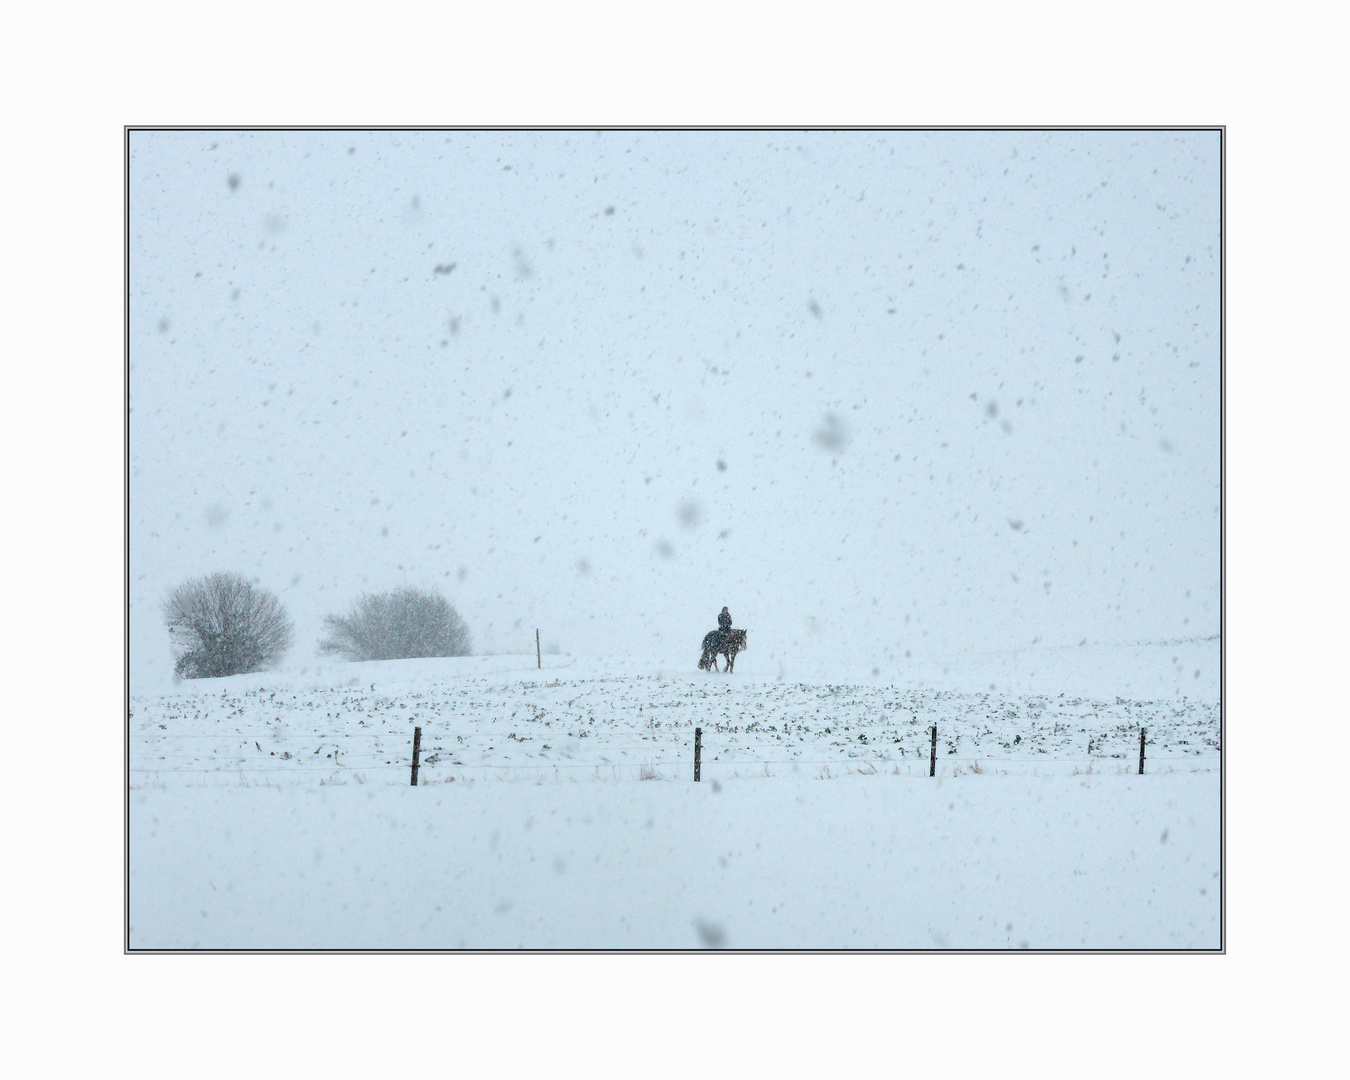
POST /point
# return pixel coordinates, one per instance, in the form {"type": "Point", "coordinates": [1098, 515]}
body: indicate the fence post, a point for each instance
{"type": "Point", "coordinates": [538, 656]}
{"type": "Point", "coordinates": [417, 749]}
{"type": "Point", "coordinates": [932, 754]}
{"type": "Point", "coordinates": [698, 752]}
{"type": "Point", "coordinates": [1141, 750]}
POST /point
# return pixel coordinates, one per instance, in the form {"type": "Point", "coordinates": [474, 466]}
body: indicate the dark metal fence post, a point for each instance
{"type": "Point", "coordinates": [932, 754]}
{"type": "Point", "coordinates": [698, 752]}
{"type": "Point", "coordinates": [417, 749]}
{"type": "Point", "coordinates": [538, 656]}
{"type": "Point", "coordinates": [1141, 750]}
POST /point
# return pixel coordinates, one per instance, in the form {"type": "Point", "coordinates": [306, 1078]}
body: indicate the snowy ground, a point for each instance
{"type": "Point", "coordinates": [557, 810]}
{"type": "Point", "coordinates": [858, 862]}
{"type": "Point", "coordinates": [500, 718]}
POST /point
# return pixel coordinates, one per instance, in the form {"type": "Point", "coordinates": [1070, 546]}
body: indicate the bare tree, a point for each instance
{"type": "Point", "coordinates": [222, 624]}
{"type": "Point", "coordinates": [397, 625]}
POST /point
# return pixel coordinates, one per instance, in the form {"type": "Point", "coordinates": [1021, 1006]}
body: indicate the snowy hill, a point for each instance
{"type": "Point", "coordinates": [556, 809]}
{"type": "Point", "coordinates": [499, 716]}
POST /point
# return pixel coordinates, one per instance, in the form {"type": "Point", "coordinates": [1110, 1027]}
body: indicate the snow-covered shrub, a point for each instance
{"type": "Point", "coordinates": [222, 624]}
{"type": "Point", "coordinates": [397, 625]}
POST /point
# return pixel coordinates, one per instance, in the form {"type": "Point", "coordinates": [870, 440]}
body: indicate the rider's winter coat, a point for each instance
{"type": "Point", "coordinates": [724, 620]}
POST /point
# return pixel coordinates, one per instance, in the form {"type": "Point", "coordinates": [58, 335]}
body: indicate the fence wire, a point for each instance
{"type": "Point", "coordinates": [684, 763]}
{"type": "Point", "coordinates": [888, 752]}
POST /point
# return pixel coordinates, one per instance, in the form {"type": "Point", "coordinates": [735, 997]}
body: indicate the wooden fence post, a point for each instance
{"type": "Point", "coordinates": [1141, 750]}
{"type": "Point", "coordinates": [417, 749]}
{"type": "Point", "coordinates": [538, 656]}
{"type": "Point", "coordinates": [698, 753]}
{"type": "Point", "coordinates": [932, 754]}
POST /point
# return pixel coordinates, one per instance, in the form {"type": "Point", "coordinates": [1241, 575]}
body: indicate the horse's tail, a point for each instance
{"type": "Point", "coordinates": [711, 642]}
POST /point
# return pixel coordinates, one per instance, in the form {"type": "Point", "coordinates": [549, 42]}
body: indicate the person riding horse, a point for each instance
{"type": "Point", "coordinates": [723, 640]}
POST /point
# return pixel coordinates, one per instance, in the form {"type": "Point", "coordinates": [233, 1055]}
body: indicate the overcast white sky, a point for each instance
{"type": "Point", "coordinates": [877, 392]}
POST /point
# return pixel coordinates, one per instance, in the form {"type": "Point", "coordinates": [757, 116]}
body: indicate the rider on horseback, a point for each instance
{"type": "Point", "coordinates": [723, 640]}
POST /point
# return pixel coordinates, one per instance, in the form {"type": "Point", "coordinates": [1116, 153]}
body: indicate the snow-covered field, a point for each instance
{"type": "Point", "coordinates": [557, 809]}
{"type": "Point", "coordinates": [857, 862]}
{"type": "Point", "coordinates": [500, 718]}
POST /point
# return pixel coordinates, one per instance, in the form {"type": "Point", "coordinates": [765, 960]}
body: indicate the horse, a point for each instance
{"type": "Point", "coordinates": [728, 643]}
